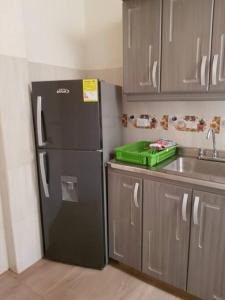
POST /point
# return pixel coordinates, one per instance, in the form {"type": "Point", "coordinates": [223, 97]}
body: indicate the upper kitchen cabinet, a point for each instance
{"type": "Point", "coordinates": [218, 48]}
{"type": "Point", "coordinates": [187, 32]}
{"type": "Point", "coordinates": [142, 46]}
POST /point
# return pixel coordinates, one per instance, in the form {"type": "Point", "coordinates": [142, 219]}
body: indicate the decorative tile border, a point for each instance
{"type": "Point", "coordinates": [216, 124]}
{"type": "Point", "coordinates": [188, 123]}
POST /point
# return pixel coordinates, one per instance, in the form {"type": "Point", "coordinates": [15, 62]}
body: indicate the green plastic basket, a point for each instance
{"type": "Point", "coordinates": [133, 153]}
{"type": "Point", "coordinates": [138, 153]}
{"type": "Point", "coordinates": [156, 157]}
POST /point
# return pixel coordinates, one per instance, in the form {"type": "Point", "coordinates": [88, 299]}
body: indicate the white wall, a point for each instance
{"type": "Point", "coordinates": [20, 225]}
{"type": "Point", "coordinates": [12, 41]}
{"type": "Point", "coordinates": [80, 34]}
{"type": "Point", "coordinates": [103, 34]}
{"type": "Point", "coordinates": [54, 32]}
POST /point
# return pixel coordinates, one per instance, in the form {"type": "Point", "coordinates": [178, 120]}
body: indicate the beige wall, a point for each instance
{"type": "Point", "coordinates": [54, 32]}
{"type": "Point", "coordinates": [12, 41]}
{"type": "Point", "coordinates": [18, 174]}
{"type": "Point", "coordinates": [103, 34]}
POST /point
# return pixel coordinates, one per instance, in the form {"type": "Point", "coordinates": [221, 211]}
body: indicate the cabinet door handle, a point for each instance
{"type": "Point", "coordinates": [129, 28]}
{"type": "Point", "coordinates": [203, 70]}
{"type": "Point", "coordinates": [136, 187]}
{"type": "Point", "coordinates": [195, 213]}
{"type": "Point", "coordinates": [41, 143]}
{"type": "Point", "coordinates": [221, 78]}
{"type": "Point", "coordinates": [43, 174]}
{"type": "Point", "coordinates": [214, 69]}
{"type": "Point", "coordinates": [184, 207]}
{"type": "Point", "coordinates": [148, 83]}
{"type": "Point", "coordinates": [154, 71]}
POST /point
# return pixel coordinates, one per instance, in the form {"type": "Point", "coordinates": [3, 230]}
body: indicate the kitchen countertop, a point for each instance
{"type": "Point", "coordinates": [196, 178]}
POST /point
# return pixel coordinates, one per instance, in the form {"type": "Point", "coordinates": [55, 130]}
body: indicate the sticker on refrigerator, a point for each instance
{"type": "Point", "coordinates": [90, 90]}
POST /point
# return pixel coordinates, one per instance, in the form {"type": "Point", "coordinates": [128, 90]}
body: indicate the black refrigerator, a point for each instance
{"type": "Point", "coordinates": [77, 124]}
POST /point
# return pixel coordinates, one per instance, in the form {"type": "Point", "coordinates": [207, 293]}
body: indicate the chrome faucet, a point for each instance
{"type": "Point", "coordinates": [211, 132]}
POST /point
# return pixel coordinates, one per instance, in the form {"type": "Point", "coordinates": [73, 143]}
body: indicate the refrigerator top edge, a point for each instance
{"type": "Point", "coordinates": [73, 80]}
{"type": "Point", "coordinates": [44, 149]}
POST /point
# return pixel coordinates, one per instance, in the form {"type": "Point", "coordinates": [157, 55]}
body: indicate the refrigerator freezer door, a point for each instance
{"type": "Point", "coordinates": [62, 119]}
{"type": "Point", "coordinates": [72, 213]}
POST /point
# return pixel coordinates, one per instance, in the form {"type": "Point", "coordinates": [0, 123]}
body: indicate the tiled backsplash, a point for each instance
{"type": "Point", "coordinates": [185, 122]}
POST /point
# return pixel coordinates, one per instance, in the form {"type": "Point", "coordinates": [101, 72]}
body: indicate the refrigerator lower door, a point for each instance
{"type": "Point", "coordinates": [71, 186]}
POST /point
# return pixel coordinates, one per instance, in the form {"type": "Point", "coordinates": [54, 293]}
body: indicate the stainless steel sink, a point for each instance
{"type": "Point", "coordinates": [195, 168]}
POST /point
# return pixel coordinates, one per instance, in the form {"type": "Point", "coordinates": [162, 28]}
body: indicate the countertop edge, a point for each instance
{"type": "Point", "coordinates": [159, 174]}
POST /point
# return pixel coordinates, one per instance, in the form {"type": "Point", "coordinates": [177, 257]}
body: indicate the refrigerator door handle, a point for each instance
{"type": "Point", "coordinates": [43, 173]}
{"type": "Point", "coordinates": [136, 187]}
{"type": "Point", "coordinates": [41, 143]}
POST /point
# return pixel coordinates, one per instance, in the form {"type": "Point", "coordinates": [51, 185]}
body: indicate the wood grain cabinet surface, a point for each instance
{"type": "Point", "coordinates": [166, 227]}
{"type": "Point", "coordinates": [174, 47]}
{"type": "Point", "coordinates": [206, 275]}
{"type": "Point", "coordinates": [142, 45]}
{"type": "Point", "coordinates": [187, 26]}
{"type": "Point", "coordinates": [125, 219]}
{"type": "Point", "coordinates": [217, 78]}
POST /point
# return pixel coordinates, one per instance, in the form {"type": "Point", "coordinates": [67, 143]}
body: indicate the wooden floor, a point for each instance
{"type": "Point", "coordinates": [54, 281]}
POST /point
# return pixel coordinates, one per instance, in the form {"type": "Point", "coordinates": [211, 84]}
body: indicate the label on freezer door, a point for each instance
{"type": "Point", "coordinates": [90, 90]}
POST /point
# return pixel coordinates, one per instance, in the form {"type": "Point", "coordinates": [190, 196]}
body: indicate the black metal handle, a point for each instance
{"type": "Point", "coordinates": [44, 131]}
{"type": "Point", "coordinates": [47, 168]}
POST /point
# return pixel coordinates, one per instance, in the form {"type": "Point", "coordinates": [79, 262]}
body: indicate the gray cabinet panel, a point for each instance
{"type": "Point", "coordinates": [166, 232]}
{"type": "Point", "coordinates": [206, 275]}
{"type": "Point", "coordinates": [186, 40]}
{"type": "Point", "coordinates": [218, 48]}
{"type": "Point", "coordinates": [125, 219]}
{"type": "Point", "coordinates": [142, 45]}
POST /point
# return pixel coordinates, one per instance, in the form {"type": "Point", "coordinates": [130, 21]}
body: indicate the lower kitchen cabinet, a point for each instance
{"type": "Point", "coordinates": [166, 227]}
{"type": "Point", "coordinates": [125, 219]}
{"type": "Point", "coordinates": [206, 275]}
{"type": "Point", "coordinates": [173, 233]}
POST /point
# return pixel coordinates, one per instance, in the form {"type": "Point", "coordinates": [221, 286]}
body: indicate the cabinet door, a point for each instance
{"type": "Point", "coordinates": [218, 48]}
{"type": "Point", "coordinates": [186, 41]}
{"type": "Point", "coordinates": [142, 45]}
{"type": "Point", "coordinates": [166, 219]}
{"type": "Point", "coordinates": [206, 274]}
{"type": "Point", "coordinates": [125, 219]}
